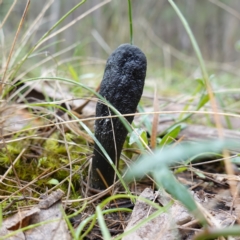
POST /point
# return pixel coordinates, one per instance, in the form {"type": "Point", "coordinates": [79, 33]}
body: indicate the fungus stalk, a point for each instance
{"type": "Point", "coordinates": [122, 87]}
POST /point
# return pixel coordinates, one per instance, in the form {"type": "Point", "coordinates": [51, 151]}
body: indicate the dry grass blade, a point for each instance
{"type": "Point", "coordinates": [226, 8]}
{"type": "Point", "coordinates": [40, 63]}
{"type": "Point", "coordinates": [31, 30]}
{"type": "Point", "coordinates": [73, 22]}
{"type": "Point", "coordinates": [27, 185]}
{"type": "Point", "coordinates": [155, 120]}
{"type": "Point", "coordinates": [8, 13]}
{"type": "Point", "coordinates": [36, 20]}
{"type": "Point", "coordinates": [125, 115]}
{"type": "Point", "coordinates": [212, 98]}
{"type": "Point", "coordinates": [13, 44]}
{"type": "Point", "coordinates": [12, 167]}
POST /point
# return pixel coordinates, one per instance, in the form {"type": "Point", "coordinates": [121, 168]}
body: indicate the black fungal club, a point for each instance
{"type": "Point", "coordinates": [122, 86]}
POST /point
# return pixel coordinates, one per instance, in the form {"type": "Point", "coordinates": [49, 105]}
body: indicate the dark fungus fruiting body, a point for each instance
{"type": "Point", "coordinates": [122, 86]}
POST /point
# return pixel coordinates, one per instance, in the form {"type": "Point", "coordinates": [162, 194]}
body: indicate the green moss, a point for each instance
{"type": "Point", "coordinates": [53, 158]}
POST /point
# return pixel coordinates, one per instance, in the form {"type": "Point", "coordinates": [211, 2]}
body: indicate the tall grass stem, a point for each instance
{"type": "Point", "coordinates": [130, 21]}
{"type": "Point", "coordinates": [45, 35]}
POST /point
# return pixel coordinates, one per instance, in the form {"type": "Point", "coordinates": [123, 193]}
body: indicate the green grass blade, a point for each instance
{"type": "Point", "coordinates": [66, 80]}
{"type": "Point", "coordinates": [130, 21]}
{"type": "Point", "coordinates": [92, 218]}
{"type": "Point", "coordinates": [124, 121]}
{"type": "Point", "coordinates": [91, 135]}
{"type": "Point", "coordinates": [172, 134]}
{"type": "Point", "coordinates": [166, 179]}
{"type": "Point", "coordinates": [211, 233]}
{"type": "Point", "coordinates": [193, 41]}
{"type": "Point", "coordinates": [44, 36]}
{"type": "Point", "coordinates": [102, 224]}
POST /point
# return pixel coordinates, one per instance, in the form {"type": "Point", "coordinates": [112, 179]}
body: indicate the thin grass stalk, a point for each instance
{"type": "Point", "coordinates": [213, 233]}
{"type": "Point", "coordinates": [30, 31]}
{"type": "Point", "coordinates": [24, 187]}
{"type": "Point", "coordinates": [226, 8]}
{"type": "Point", "coordinates": [8, 13]}
{"type": "Point", "coordinates": [21, 230]}
{"type": "Point", "coordinates": [13, 44]}
{"type": "Point", "coordinates": [124, 121]}
{"type": "Point", "coordinates": [94, 118]}
{"type": "Point", "coordinates": [102, 205]}
{"type": "Point", "coordinates": [1, 216]}
{"type": "Point", "coordinates": [74, 21]}
{"type": "Point", "coordinates": [106, 155]}
{"type": "Point", "coordinates": [60, 20]}
{"type": "Point", "coordinates": [228, 166]}
{"type": "Point", "coordinates": [153, 140]}
{"type": "Point", "coordinates": [130, 21]}
{"type": "Point", "coordinates": [45, 36]}
{"type": "Point", "coordinates": [202, 65]}
{"type": "Point", "coordinates": [38, 64]}
{"type": "Point", "coordinates": [141, 223]}
{"type": "Point", "coordinates": [119, 115]}
{"type": "Point", "coordinates": [159, 210]}
{"type": "Point", "coordinates": [70, 167]}
{"type": "Point", "coordinates": [70, 226]}
{"type": "Point", "coordinates": [102, 224]}
{"type": "Point", "coordinates": [93, 219]}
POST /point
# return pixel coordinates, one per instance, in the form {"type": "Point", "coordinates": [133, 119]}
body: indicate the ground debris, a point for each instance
{"type": "Point", "coordinates": [49, 223]}
{"type": "Point", "coordinates": [163, 226]}
{"type": "Point", "coordinates": [51, 199]}
{"type": "Point", "coordinates": [177, 222]}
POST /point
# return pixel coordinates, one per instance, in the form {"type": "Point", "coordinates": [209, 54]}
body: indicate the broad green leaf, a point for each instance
{"type": "Point", "coordinates": [41, 161]}
{"type": "Point", "coordinates": [172, 134]}
{"type": "Point", "coordinates": [235, 160]}
{"type": "Point", "coordinates": [180, 170]}
{"type": "Point", "coordinates": [166, 179]}
{"type": "Point", "coordinates": [53, 181]}
{"type": "Point", "coordinates": [200, 81]}
{"type": "Point", "coordinates": [170, 155]}
{"type": "Point", "coordinates": [203, 101]}
{"type": "Point", "coordinates": [134, 136]}
{"type": "Point", "coordinates": [201, 175]}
